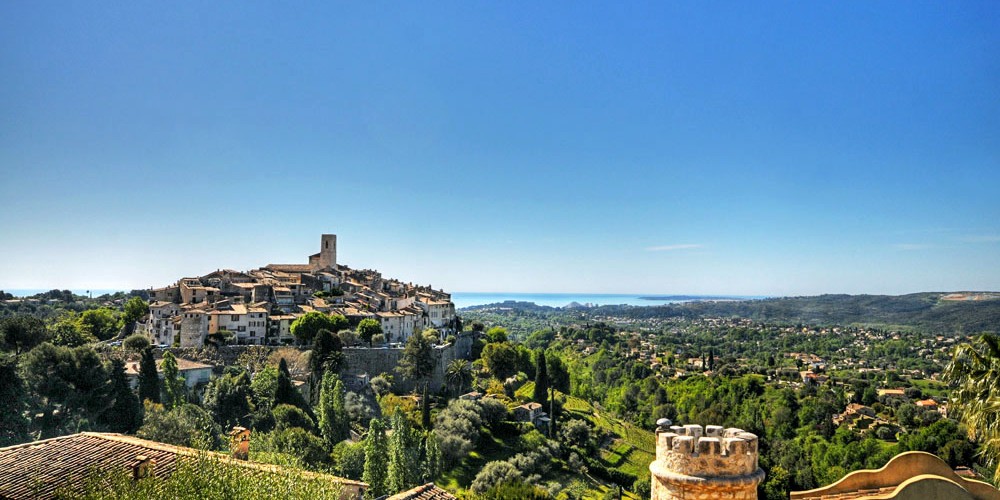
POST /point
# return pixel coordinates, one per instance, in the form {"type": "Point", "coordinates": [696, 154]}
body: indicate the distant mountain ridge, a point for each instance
{"type": "Point", "coordinates": [930, 312]}
{"type": "Point", "coordinates": [921, 311]}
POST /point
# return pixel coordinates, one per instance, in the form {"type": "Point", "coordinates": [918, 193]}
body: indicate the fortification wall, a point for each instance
{"type": "Point", "coordinates": [695, 462]}
{"type": "Point", "coordinates": [377, 360]}
{"type": "Point", "coordinates": [357, 361]}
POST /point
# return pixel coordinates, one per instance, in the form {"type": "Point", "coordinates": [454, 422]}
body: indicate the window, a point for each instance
{"type": "Point", "coordinates": [235, 317]}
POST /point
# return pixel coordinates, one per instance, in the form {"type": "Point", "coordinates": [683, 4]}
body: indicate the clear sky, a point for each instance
{"type": "Point", "coordinates": [763, 148]}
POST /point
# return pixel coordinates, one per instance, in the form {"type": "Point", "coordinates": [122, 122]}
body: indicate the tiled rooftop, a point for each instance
{"type": "Point", "coordinates": [429, 491]}
{"type": "Point", "coordinates": [37, 470]}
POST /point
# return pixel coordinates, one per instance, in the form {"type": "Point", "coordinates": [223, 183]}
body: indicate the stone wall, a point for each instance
{"type": "Point", "coordinates": [378, 360]}
{"type": "Point", "coordinates": [695, 462]}
{"type": "Point", "coordinates": [357, 361]}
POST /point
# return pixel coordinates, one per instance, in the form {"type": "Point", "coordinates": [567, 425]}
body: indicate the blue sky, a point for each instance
{"type": "Point", "coordinates": [771, 148]}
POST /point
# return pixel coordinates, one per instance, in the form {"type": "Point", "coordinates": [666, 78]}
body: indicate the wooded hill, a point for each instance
{"type": "Point", "coordinates": [925, 312]}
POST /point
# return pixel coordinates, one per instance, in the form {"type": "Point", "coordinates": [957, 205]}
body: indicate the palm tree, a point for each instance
{"type": "Point", "coordinates": [975, 370]}
{"type": "Point", "coordinates": [458, 374]}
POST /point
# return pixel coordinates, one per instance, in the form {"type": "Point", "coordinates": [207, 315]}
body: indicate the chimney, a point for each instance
{"type": "Point", "coordinates": [240, 442]}
{"type": "Point", "coordinates": [142, 467]}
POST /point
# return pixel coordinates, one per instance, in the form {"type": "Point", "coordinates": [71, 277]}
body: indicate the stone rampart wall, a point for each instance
{"type": "Point", "coordinates": [357, 360]}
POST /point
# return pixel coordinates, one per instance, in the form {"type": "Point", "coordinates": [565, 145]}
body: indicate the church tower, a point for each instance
{"type": "Point", "coordinates": [328, 251]}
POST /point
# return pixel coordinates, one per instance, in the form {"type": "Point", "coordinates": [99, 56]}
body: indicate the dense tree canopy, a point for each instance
{"type": "Point", "coordinates": [308, 325]}
{"type": "Point", "coordinates": [417, 363]}
{"type": "Point", "coordinates": [228, 399]}
{"type": "Point", "coordinates": [125, 413]}
{"type": "Point", "coordinates": [135, 308]}
{"type": "Point", "coordinates": [500, 359]}
{"type": "Point", "coordinates": [20, 333]}
{"type": "Point", "coordinates": [102, 323]}
{"type": "Point", "coordinates": [71, 380]}
{"type": "Point", "coordinates": [369, 328]}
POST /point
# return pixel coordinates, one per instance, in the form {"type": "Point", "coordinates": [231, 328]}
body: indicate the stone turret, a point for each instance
{"type": "Point", "coordinates": [695, 462]}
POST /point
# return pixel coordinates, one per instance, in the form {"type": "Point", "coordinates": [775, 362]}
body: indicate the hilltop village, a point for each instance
{"type": "Point", "coordinates": [258, 307]}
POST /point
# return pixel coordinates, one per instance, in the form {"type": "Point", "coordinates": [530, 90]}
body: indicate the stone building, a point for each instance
{"type": "Point", "coordinates": [695, 462]}
{"type": "Point", "coordinates": [245, 302]}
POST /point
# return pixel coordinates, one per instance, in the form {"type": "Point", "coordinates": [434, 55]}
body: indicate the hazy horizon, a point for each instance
{"type": "Point", "coordinates": [758, 149]}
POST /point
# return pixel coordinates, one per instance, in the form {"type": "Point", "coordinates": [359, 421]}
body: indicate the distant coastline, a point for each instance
{"type": "Point", "coordinates": [470, 299]}
{"type": "Point", "coordinates": [694, 298]}
{"type": "Point", "coordinates": [28, 292]}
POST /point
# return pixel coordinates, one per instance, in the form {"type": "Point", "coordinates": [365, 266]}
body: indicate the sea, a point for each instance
{"type": "Point", "coordinates": [27, 292]}
{"type": "Point", "coordinates": [468, 299]}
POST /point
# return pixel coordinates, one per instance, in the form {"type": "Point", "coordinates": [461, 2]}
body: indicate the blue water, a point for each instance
{"type": "Point", "coordinates": [466, 299]}
{"type": "Point", "coordinates": [27, 292]}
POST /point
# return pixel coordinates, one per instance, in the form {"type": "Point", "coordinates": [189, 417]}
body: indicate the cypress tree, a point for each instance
{"type": "Point", "coordinates": [149, 380]}
{"type": "Point", "coordinates": [425, 410]}
{"type": "Point", "coordinates": [541, 380]}
{"type": "Point", "coordinates": [432, 457]}
{"type": "Point", "coordinates": [404, 454]}
{"type": "Point", "coordinates": [376, 460]}
{"type": "Point", "coordinates": [286, 393]}
{"type": "Point", "coordinates": [172, 381]}
{"type": "Point", "coordinates": [333, 424]}
{"type": "Point", "coordinates": [125, 415]}
{"type": "Point", "coordinates": [325, 355]}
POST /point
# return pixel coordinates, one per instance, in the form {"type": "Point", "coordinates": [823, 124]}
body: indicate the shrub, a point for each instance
{"type": "Point", "coordinates": [288, 416]}
{"type": "Point", "coordinates": [494, 473]}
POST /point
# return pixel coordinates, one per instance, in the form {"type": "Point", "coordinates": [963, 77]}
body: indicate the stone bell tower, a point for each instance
{"type": "Point", "coordinates": [328, 251]}
{"type": "Point", "coordinates": [695, 462]}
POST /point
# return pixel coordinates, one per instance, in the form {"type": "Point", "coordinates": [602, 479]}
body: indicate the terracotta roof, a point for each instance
{"type": "Point", "coordinates": [238, 309]}
{"type": "Point", "coordinates": [38, 469]}
{"type": "Point", "coordinates": [183, 365]}
{"type": "Point", "coordinates": [429, 491]}
{"type": "Point", "coordinates": [291, 268]}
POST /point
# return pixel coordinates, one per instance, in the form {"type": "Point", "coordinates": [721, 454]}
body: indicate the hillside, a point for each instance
{"type": "Point", "coordinates": [930, 312]}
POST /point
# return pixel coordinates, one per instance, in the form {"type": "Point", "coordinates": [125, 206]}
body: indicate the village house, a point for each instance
{"type": "Point", "coordinates": [193, 372]}
{"type": "Point", "coordinates": [258, 306]}
{"type": "Point", "coordinates": [528, 412]}
{"type": "Point", "coordinates": [161, 325]}
{"type": "Point", "coordinates": [249, 324]}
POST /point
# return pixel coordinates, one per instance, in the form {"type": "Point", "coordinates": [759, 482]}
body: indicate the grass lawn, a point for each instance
{"type": "Point", "coordinates": [931, 388]}
{"type": "Point", "coordinates": [633, 448]}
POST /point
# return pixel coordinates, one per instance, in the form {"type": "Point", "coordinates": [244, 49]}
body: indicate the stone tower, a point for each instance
{"type": "Point", "coordinates": [328, 251]}
{"type": "Point", "coordinates": [695, 462]}
{"type": "Point", "coordinates": [194, 327]}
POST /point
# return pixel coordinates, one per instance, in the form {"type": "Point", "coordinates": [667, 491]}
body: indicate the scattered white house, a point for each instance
{"type": "Point", "coordinates": [193, 372]}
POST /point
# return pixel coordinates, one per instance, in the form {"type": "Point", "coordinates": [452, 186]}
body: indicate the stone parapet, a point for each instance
{"type": "Point", "coordinates": [705, 462]}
